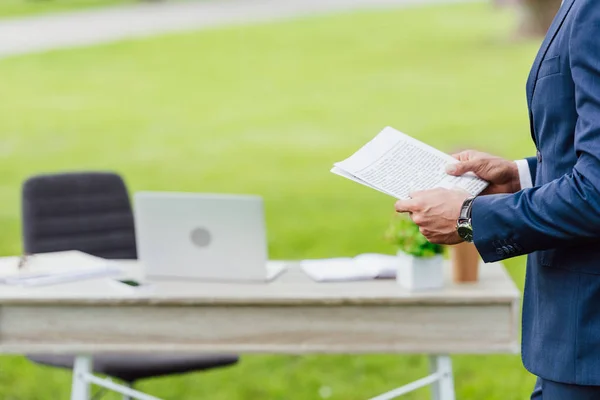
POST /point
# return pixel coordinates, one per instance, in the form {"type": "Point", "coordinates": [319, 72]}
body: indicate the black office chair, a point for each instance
{"type": "Point", "coordinates": [91, 212]}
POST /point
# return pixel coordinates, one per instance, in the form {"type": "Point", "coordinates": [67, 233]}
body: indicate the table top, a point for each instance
{"type": "Point", "coordinates": [292, 287]}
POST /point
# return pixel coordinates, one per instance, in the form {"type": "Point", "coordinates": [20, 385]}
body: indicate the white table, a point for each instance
{"type": "Point", "coordinates": [292, 315]}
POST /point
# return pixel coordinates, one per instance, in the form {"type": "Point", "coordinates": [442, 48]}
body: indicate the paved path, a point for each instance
{"type": "Point", "coordinates": [54, 31]}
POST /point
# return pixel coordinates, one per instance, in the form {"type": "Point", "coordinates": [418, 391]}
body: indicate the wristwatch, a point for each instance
{"type": "Point", "coordinates": [463, 225]}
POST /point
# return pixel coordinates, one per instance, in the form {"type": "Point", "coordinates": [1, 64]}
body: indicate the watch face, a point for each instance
{"type": "Point", "coordinates": [465, 231]}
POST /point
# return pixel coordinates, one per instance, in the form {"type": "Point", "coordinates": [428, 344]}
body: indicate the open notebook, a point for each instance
{"type": "Point", "coordinates": [54, 268]}
{"type": "Point", "coordinates": [397, 164]}
{"type": "Point", "coordinates": [362, 267]}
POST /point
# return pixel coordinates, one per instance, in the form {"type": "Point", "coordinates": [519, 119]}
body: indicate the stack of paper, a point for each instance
{"type": "Point", "coordinates": [397, 164]}
{"type": "Point", "coordinates": [54, 268]}
{"type": "Point", "coordinates": [362, 267]}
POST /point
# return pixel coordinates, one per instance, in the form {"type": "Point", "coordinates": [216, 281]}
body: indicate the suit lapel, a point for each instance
{"type": "Point", "coordinates": [552, 31]}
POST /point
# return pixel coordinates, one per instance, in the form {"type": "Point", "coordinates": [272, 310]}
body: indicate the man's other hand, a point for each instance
{"type": "Point", "coordinates": [503, 175]}
{"type": "Point", "coordinates": [436, 212]}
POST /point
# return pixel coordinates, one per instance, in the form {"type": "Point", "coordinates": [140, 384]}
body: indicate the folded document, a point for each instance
{"type": "Point", "coordinates": [54, 268]}
{"type": "Point", "coordinates": [362, 267]}
{"type": "Point", "coordinates": [397, 164]}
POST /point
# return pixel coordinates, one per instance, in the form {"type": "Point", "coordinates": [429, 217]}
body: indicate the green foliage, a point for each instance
{"type": "Point", "coordinates": [266, 110]}
{"type": "Point", "coordinates": [405, 235]}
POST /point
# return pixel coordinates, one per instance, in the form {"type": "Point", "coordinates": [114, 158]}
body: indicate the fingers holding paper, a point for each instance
{"type": "Point", "coordinates": [408, 206]}
{"type": "Point", "coordinates": [436, 212]}
{"type": "Point", "coordinates": [468, 155]}
{"type": "Point", "coordinates": [503, 175]}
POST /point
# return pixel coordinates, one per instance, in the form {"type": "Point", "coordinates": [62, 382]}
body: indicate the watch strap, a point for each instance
{"type": "Point", "coordinates": [465, 211]}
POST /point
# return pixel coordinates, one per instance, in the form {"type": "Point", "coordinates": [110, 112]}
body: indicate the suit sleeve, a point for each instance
{"type": "Point", "coordinates": [565, 211]}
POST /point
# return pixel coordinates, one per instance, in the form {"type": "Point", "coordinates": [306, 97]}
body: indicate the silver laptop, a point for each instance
{"type": "Point", "coordinates": [202, 236]}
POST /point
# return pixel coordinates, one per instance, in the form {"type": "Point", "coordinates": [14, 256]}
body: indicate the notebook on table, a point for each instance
{"type": "Point", "coordinates": [54, 268]}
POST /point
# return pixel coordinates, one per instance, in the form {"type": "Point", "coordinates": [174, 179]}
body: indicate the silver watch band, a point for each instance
{"type": "Point", "coordinates": [465, 211]}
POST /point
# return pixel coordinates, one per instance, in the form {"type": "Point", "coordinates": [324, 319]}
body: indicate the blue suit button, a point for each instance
{"type": "Point", "coordinates": [506, 250]}
{"type": "Point", "coordinates": [539, 157]}
{"type": "Point", "coordinates": [518, 247]}
{"type": "Point", "coordinates": [499, 251]}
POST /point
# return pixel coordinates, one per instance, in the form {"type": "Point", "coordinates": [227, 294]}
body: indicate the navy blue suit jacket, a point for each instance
{"type": "Point", "coordinates": [557, 221]}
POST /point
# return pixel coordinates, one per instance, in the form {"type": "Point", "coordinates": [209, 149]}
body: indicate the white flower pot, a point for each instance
{"type": "Point", "coordinates": [417, 273]}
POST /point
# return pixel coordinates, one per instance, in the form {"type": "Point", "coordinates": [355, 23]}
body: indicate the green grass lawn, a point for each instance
{"type": "Point", "coordinates": [15, 8]}
{"type": "Point", "coordinates": [267, 110]}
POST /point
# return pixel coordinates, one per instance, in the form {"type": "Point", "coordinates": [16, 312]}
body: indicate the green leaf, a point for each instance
{"type": "Point", "coordinates": [405, 235]}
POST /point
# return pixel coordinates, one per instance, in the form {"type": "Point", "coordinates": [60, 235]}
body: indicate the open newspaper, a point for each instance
{"type": "Point", "coordinates": [397, 164]}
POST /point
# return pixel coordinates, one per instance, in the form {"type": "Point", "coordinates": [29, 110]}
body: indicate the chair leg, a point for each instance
{"type": "Point", "coordinates": [130, 385]}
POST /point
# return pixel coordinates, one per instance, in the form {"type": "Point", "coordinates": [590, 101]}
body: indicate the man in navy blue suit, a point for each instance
{"type": "Point", "coordinates": [546, 206]}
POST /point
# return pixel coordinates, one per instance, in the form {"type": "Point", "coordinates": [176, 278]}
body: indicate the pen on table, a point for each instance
{"type": "Point", "coordinates": [23, 261]}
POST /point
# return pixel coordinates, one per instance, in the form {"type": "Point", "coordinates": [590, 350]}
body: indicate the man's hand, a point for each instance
{"type": "Point", "coordinates": [503, 175]}
{"type": "Point", "coordinates": [436, 212]}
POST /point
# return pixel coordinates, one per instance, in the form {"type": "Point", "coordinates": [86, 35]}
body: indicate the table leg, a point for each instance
{"type": "Point", "coordinates": [80, 389]}
{"type": "Point", "coordinates": [443, 388]}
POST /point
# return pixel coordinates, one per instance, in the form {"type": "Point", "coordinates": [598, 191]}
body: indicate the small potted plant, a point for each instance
{"type": "Point", "coordinates": [420, 263]}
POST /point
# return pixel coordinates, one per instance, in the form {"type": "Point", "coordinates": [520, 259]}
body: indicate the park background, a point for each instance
{"type": "Point", "coordinates": [266, 108]}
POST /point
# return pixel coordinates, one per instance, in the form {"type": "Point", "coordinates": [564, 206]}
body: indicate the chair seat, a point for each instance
{"type": "Point", "coordinates": [131, 368]}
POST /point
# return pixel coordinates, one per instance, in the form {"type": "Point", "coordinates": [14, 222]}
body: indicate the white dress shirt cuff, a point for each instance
{"type": "Point", "coordinates": [524, 174]}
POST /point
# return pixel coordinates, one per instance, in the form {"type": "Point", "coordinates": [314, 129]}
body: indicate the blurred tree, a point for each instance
{"type": "Point", "coordinates": [536, 16]}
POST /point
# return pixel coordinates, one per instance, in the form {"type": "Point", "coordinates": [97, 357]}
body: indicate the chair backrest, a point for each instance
{"type": "Point", "coordinates": [90, 212]}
